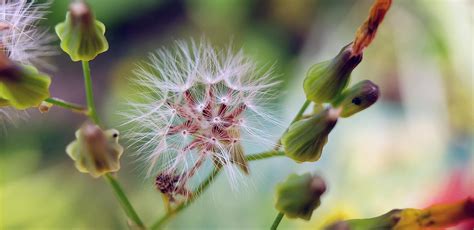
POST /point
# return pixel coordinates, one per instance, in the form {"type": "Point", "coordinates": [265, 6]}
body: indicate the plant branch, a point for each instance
{"type": "Point", "coordinates": [196, 194]}
{"type": "Point", "coordinates": [277, 221]}
{"type": "Point", "coordinates": [264, 155]}
{"type": "Point", "coordinates": [89, 92]}
{"type": "Point", "coordinates": [124, 202]}
{"type": "Point", "coordinates": [205, 184]}
{"type": "Point", "coordinates": [67, 105]}
{"type": "Point", "coordinates": [92, 113]}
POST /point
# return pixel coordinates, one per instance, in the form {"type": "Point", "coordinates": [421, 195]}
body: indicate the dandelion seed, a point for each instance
{"type": "Point", "coordinates": [9, 115]}
{"type": "Point", "coordinates": [198, 106]}
{"type": "Point", "coordinates": [21, 39]}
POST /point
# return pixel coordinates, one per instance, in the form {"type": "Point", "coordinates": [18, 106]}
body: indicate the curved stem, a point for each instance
{"type": "Point", "coordinates": [205, 184]}
{"type": "Point", "coordinates": [89, 93]}
{"type": "Point", "coordinates": [122, 198]}
{"type": "Point", "coordinates": [277, 221]}
{"type": "Point", "coordinates": [196, 194]}
{"type": "Point", "coordinates": [67, 105]}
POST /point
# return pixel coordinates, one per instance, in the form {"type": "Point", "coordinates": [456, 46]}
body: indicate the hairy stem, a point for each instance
{"type": "Point", "coordinates": [122, 198]}
{"type": "Point", "coordinates": [89, 93]}
{"type": "Point", "coordinates": [67, 105]}
{"type": "Point", "coordinates": [277, 221]}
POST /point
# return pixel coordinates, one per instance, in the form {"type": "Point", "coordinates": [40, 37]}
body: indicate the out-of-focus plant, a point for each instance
{"type": "Point", "coordinates": [200, 105]}
{"type": "Point", "coordinates": [438, 216]}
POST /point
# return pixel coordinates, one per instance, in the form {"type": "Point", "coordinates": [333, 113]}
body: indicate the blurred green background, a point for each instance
{"type": "Point", "coordinates": [412, 148]}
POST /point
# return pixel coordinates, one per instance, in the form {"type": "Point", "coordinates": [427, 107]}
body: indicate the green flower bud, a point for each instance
{"type": "Point", "coordinates": [357, 98]}
{"type": "Point", "coordinates": [95, 151]}
{"type": "Point", "coordinates": [22, 86]}
{"type": "Point", "coordinates": [82, 37]}
{"type": "Point", "coordinates": [437, 216]}
{"type": "Point", "coordinates": [326, 80]}
{"type": "Point", "coordinates": [386, 221]}
{"type": "Point", "coordinates": [299, 195]}
{"type": "Point", "coordinates": [306, 138]}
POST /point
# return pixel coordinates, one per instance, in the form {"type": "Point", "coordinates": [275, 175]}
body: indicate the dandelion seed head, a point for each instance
{"type": "Point", "coordinates": [197, 103]}
{"type": "Point", "coordinates": [21, 38]}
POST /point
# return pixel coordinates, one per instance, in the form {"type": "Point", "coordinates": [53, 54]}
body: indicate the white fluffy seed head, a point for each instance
{"type": "Point", "coordinates": [196, 103]}
{"type": "Point", "coordinates": [21, 39]}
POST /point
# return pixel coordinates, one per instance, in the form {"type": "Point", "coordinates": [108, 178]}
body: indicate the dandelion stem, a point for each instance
{"type": "Point", "coordinates": [277, 221]}
{"type": "Point", "coordinates": [199, 190]}
{"type": "Point", "coordinates": [264, 155]}
{"type": "Point", "coordinates": [122, 198]}
{"type": "Point", "coordinates": [89, 93]}
{"type": "Point", "coordinates": [67, 105]}
{"type": "Point", "coordinates": [298, 116]}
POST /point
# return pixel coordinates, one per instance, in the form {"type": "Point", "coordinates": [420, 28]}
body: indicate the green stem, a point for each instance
{"type": "Point", "coordinates": [277, 221]}
{"type": "Point", "coordinates": [67, 105]}
{"type": "Point", "coordinates": [89, 93]}
{"type": "Point", "coordinates": [205, 184]}
{"type": "Point", "coordinates": [91, 112]}
{"type": "Point", "coordinates": [196, 194]}
{"type": "Point", "coordinates": [122, 198]}
{"type": "Point", "coordinates": [264, 155]}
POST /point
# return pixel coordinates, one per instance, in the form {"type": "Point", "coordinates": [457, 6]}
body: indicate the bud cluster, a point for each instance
{"type": "Point", "coordinates": [326, 86]}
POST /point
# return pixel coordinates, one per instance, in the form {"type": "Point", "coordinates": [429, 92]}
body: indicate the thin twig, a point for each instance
{"type": "Point", "coordinates": [67, 105]}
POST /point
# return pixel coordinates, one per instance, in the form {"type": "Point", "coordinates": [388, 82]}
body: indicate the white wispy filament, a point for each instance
{"type": "Point", "coordinates": [21, 39]}
{"type": "Point", "coordinates": [197, 104]}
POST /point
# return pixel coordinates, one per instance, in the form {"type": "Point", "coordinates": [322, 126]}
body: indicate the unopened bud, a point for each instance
{"type": "Point", "coordinates": [385, 221]}
{"type": "Point", "coordinates": [22, 86]}
{"type": "Point", "coordinates": [95, 151]}
{"type": "Point", "coordinates": [306, 138]}
{"type": "Point", "coordinates": [357, 98]}
{"type": "Point", "coordinates": [299, 195]}
{"type": "Point", "coordinates": [82, 36]}
{"type": "Point", "coordinates": [326, 80]}
{"type": "Point", "coordinates": [438, 216]}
